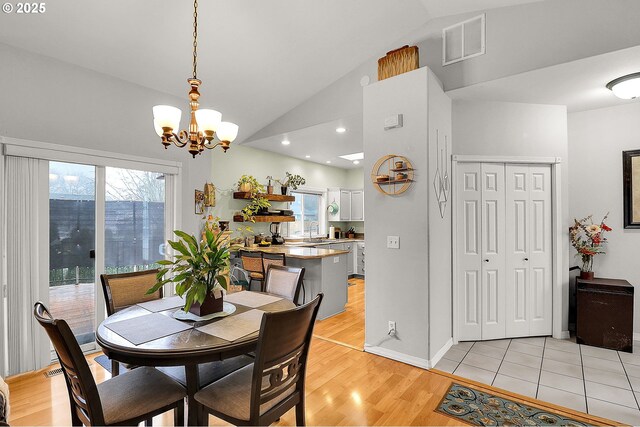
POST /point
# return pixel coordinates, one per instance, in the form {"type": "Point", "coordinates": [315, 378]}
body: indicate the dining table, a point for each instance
{"type": "Point", "coordinates": [151, 334]}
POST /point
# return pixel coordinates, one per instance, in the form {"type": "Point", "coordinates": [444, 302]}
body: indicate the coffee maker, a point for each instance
{"type": "Point", "coordinates": [276, 238]}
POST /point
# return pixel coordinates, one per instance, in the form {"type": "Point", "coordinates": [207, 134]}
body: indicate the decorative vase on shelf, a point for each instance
{"type": "Point", "coordinates": [269, 189]}
{"type": "Point", "coordinates": [210, 305]}
{"type": "Point", "coordinates": [586, 275]}
{"type": "Point", "coordinates": [245, 187]}
{"type": "Point", "coordinates": [283, 190]}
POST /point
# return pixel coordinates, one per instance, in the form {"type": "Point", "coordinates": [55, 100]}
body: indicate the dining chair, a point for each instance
{"type": "Point", "coordinates": [285, 282]}
{"type": "Point", "coordinates": [261, 393]}
{"type": "Point", "coordinates": [269, 259]}
{"type": "Point", "coordinates": [124, 290]}
{"type": "Point", "coordinates": [127, 399]}
{"type": "Point", "coordinates": [252, 262]}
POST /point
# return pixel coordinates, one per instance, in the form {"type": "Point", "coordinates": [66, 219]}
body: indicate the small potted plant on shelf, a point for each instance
{"type": "Point", "coordinates": [291, 180]}
{"type": "Point", "coordinates": [269, 186]}
{"type": "Point", "coordinates": [257, 205]}
{"type": "Point", "coordinates": [249, 184]}
{"type": "Point", "coordinates": [588, 240]}
{"type": "Point", "coordinates": [196, 270]}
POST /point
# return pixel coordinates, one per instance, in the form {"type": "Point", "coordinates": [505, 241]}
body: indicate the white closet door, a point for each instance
{"type": "Point", "coordinates": [469, 270]}
{"type": "Point", "coordinates": [529, 261]}
{"type": "Point", "coordinates": [540, 251]}
{"type": "Point", "coordinates": [517, 227]}
{"type": "Point", "coordinates": [493, 251]}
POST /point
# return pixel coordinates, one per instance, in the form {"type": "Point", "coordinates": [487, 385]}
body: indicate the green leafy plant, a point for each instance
{"type": "Point", "coordinates": [252, 182]}
{"type": "Point", "coordinates": [257, 203]}
{"type": "Point", "coordinates": [196, 268]}
{"type": "Point", "coordinates": [293, 181]}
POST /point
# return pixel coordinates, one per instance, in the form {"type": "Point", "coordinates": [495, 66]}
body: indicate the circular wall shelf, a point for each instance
{"type": "Point", "coordinates": [392, 174]}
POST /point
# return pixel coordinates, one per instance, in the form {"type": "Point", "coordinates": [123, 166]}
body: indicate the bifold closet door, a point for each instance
{"type": "Point", "coordinates": [481, 251]}
{"type": "Point", "coordinates": [529, 255]}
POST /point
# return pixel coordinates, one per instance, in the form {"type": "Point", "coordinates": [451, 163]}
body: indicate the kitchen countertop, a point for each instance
{"type": "Point", "coordinates": [299, 252]}
{"type": "Point", "coordinates": [301, 244]}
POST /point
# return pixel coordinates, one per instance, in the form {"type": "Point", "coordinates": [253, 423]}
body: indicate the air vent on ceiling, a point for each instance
{"type": "Point", "coordinates": [463, 40]}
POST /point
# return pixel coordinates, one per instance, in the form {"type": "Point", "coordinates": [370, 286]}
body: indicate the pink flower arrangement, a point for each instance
{"type": "Point", "coordinates": [588, 239]}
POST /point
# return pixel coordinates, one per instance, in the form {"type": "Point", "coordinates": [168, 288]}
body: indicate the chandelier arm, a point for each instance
{"type": "Point", "coordinates": [180, 139]}
{"type": "Point", "coordinates": [210, 146]}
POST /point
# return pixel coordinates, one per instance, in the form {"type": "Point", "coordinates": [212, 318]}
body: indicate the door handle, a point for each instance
{"type": "Point", "coordinates": [526, 259]}
{"type": "Point", "coordinates": [486, 260]}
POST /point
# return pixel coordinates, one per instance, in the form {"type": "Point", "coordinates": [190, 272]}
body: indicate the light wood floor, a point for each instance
{"type": "Point", "coordinates": [348, 327]}
{"type": "Point", "coordinates": [344, 387]}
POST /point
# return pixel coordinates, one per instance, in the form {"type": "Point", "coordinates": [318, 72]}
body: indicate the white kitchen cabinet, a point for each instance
{"type": "Point", "coordinates": [350, 204]}
{"type": "Point", "coordinates": [359, 260]}
{"type": "Point", "coordinates": [350, 258]}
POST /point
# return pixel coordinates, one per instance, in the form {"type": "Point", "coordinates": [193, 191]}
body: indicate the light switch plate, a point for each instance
{"type": "Point", "coordinates": [393, 122]}
{"type": "Point", "coordinates": [393, 242]}
{"type": "Point", "coordinates": [336, 259]}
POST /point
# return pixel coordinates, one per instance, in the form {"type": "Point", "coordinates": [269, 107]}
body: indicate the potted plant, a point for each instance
{"type": "Point", "coordinates": [248, 184]}
{"type": "Point", "coordinates": [254, 207]}
{"type": "Point", "coordinates": [246, 235]}
{"type": "Point", "coordinates": [269, 186]}
{"type": "Point", "coordinates": [196, 270]}
{"type": "Point", "coordinates": [291, 180]}
{"type": "Point", "coordinates": [588, 240]}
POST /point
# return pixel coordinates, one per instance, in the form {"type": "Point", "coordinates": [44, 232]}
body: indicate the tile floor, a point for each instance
{"type": "Point", "coordinates": [589, 379]}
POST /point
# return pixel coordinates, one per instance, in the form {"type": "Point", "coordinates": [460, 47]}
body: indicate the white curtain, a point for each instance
{"type": "Point", "coordinates": [27, 261]}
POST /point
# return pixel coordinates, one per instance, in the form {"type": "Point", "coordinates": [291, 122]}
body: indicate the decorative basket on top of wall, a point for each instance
{"type": "Point", "coordinates": [398, 61]}
{"type": "Point", "coordinates": [392, 174]}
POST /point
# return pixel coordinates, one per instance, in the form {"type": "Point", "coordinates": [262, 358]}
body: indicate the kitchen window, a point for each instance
{"type": "Point", "coordinates": [309, 212]}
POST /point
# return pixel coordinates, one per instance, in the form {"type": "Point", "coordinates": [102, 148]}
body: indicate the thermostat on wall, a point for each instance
{"type": "Point", "coordinates": [393, 122]}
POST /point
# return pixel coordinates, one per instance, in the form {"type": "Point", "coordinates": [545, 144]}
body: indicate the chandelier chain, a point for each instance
{"type": "Point", "coordinates": [195, 39]}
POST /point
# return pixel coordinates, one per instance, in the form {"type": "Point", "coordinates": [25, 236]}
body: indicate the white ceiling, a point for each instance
{"type": "Point", "coordinates": [257, 59]}
{"type": "Point", "coordinates": [580, 85]}
{"type": "Point", "coordinates": [321, 142]}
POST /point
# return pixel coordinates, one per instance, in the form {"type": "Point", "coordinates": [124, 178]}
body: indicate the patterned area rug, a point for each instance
{"type": "Point", "coordinates": [483, 409]}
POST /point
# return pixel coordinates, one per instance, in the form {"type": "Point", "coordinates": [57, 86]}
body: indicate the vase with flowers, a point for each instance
{"type": "Point", "coordinates": [588, 239]}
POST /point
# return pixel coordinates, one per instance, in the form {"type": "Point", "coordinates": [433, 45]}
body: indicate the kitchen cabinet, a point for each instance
{"type": "Point", "coordinates": [359, 261]}
{"type": "Point", "coordinates": [350, 204]}
{"type": "Point", "coordinates": [351, 263]}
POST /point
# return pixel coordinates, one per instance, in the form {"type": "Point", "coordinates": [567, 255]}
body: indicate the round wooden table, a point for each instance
{"type": "Point", "coordinates": [188, 348]}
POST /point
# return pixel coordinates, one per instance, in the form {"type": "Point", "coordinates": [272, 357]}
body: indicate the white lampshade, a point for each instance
{"type": "Point", "coordinates": [208, 119]}
{"type": "Point", "coordinates": [227, 131]}
{"type": "Point", "coordinates": [157, 127]}
{"type": "Point", "coordinates": [626, 87]}
{"type": "Point", "coordinates": [166, 116]}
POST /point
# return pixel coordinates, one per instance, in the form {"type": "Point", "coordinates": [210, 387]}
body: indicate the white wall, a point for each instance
{"type": "Point", "coordinates": [596, 141]}
{"type": "Point", "coordinates": [46, 100]}
{"type": "Point", "coordinates": [228, 167]}
{"type": "Point", "coordinates": [512, 129]}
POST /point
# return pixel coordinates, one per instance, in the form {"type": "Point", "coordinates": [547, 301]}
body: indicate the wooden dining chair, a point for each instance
{"type": "Point", "coordinates": [126, 289]}
{"type": "Point", "coordinates": [269, 259]}
{"type": "Point", "coordinates": [127, 399]}
{"type": "Point", "coordinates": [252, 262]}
{"type": "Point", "coordinates": [261, 393]}
{"type": "Point", "coordinates": [285, 282]}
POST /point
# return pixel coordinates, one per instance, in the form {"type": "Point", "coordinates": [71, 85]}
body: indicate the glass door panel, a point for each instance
{"type": "Point", "coordinates": [134, 220]}
{"type": "Point", "coordinates": [72, 234]}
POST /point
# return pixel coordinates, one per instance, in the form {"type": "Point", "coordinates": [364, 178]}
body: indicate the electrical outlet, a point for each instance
{"type": "Point", "coordinates": [393, 242]}
{"type": "Point", "coordinates": [392, 327]}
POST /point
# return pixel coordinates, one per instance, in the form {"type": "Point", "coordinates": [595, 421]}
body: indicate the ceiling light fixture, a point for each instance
{"type": "Point", "coordinates": [626, 87]}
{"type": "Point", "coordinates": [204, 124]}
{"type": "Point", "coordinates": [307, 156]}
{"type": "Point", "coordinates": [341, 130]}
{"type": "Point", "coordinates": [328, 161]}
{"type": "Point", "coordinates": [352, 157]}
{"type": "Point", "coordinates": [286, 142]}
{"type": "Point", "coordinates": [356, 162]}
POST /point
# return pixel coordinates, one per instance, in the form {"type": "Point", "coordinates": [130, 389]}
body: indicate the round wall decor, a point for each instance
{"type": "Point", "coordinates": [392, 174]}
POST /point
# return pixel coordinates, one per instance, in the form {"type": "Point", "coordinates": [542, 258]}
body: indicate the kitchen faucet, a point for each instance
{"type": "Point", "coordinates": [311, 228]}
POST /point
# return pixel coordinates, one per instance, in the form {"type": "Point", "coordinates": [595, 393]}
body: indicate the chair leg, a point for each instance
{"type": "Point", "coordinates": [178, 415]}
{"type": "Point", "coordinates": [149, 422]}
{"type": "Point", "coordinates": [115, 368]}
{"type": "Point", "coordinates": [300, 417]}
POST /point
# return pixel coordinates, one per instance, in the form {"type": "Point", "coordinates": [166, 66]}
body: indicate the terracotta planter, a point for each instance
{"type": "Point", "coordinates": [586, 275]}
{"type": "Point", "coordinates": [209, 306]}
{"type": "Point", "coordinates": [269, 189]}
{"type": "Point", "coordinates": [245, 187]}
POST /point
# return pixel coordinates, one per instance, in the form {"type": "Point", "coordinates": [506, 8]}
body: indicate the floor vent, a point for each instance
{"type": "Point", "coordinates": [53, 372]}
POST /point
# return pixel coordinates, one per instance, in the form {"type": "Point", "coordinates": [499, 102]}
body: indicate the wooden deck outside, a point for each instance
{"type": "Point", "coordinates": [75, 304]}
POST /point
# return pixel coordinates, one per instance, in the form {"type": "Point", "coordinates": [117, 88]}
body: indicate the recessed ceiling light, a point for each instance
{"type": "Point", "coordinates": [328, 161]}
{"type": "Point", "coordinates": [352, 157]}
{"type": "Point", "coordinates": [356, 162]}
{"type": "Point", "coordinates": [341, 130]}
{"type": "Point", "coordinates": [286, 142]}
{"type": "Point", "coordinates": [626, 87]}
{"type": "Point", "coordinates": [307, 156]}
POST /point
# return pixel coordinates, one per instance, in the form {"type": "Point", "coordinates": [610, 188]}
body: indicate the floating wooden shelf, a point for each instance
{"type": "Point", "coordinates": [401, 170]}
{"type": "Point", "coordinates": [271, 197]}
{"type": "Point", "coordinates": [267, 218]}
{"type": "Point", "coordinates": [394, 181]}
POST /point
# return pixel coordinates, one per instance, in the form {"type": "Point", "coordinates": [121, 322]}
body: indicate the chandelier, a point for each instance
{"type": "Point", "coordinates": [204, 124]}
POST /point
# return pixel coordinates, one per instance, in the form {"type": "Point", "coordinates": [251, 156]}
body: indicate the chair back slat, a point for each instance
{"type": "Point", "coordinates": [252, 261]}
{"type": "Point", "coordinates": [269, 259]}
{"type": "Point", "coordinates": [284, 281]}
{"type": "Point", "coordinates": [281, 355]}
{"type": "Point", "coordinates": [126, 289]}
{"type": "Point", "coordinates": [83, 393]}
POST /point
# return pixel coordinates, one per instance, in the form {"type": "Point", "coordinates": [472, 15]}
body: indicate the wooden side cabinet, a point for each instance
{"type": "Point", "coordinates": [604, 313]}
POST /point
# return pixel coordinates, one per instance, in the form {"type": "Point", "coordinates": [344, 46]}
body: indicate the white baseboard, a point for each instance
{"type": "Point", "coordinates": [636, 336]}
{"type": "Point", "coordinates": [396, 355]}
{"type": "Point", "coordinates": [405, 358]}
{"type": "Point", "coordinates": [565, 335]}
